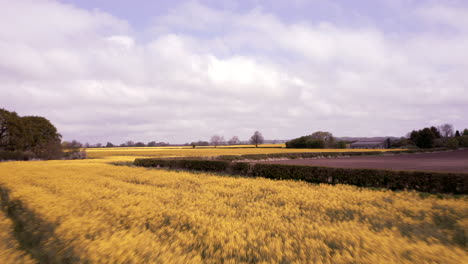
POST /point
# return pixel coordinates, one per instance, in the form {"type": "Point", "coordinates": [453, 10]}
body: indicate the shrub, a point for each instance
{"type": "Point", "coordinates": [463, 141]}
{"type": "Point", "coordinates": [452, 143]}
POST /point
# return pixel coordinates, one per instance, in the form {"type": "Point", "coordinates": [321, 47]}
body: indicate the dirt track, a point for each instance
{"type": "Point", "coordinates": [449, 161]}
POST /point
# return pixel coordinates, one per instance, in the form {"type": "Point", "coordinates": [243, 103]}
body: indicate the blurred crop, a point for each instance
{"type": "Point", "coordinates": [90, 211]}
{"type": "Point", "coordinates": [10, 251]}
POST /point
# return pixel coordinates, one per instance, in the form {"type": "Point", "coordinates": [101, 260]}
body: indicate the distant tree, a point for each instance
{"type": "Point", "coordinates": [256, 139]}
{"type": "Point", "coordinates": [151, 144]}
{"type": "Point", "coordinates": [140, 144]}
{"type": "Point", "coordinates": [109, 145]}
{"type": "Point", "coordinates": [340, 144]}
{"type": "Point", "coordinates": [436, 132]}
{"type": "Point", "coordinates": [315, 143]}
{"type": "Point", "coordinates": [326, 137]}
{"type": "Point", "coordinates": [465, 132]}
{"type": "Point", "coordinates": [73, 145]}
{"type": "Point", "coordinates": [446, 130]}
{"type": "Point", "coordinates": [41, 137]}
{"type": "Point", "coordinates": [87, 145]}
{"type": "Point", "coordinates": [193, 144]}
{"type": "Point", "coordinates": [11, 131]}
{"type": "Point", "coordinates": [216, 140]}
{"type": "Point", "coordinates": [98, 145]}
{"type": "Point", "coordinates": [300, 142]}
{"type": "Point", "coordinates": [121, 145]}
{"type": "Point", "coordinates": [388, 143]}
{"type": "Point", "coordinates": [234, 141]}
{"type": "Point", "coordinates": [424, 138]}
{"type": "Point", "coordinates": [202, 143]}
{"type": "Point", "coordinates": [130, 143]}
{"type": "Point", "coordinates": [457, 134]}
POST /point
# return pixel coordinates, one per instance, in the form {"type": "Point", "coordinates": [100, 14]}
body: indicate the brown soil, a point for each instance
{"type": "Point", "coordinates": [447, 161]}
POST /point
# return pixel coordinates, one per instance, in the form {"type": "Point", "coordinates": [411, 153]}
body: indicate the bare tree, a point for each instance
{"type": "Point", "coordinates": [234, 141]}
{"type": "Point", "coordinates": [446, 130]}
{"type": "Point", "coordinates": [256, 139]}
{"type": "Point", "coordinates": [216, 140]}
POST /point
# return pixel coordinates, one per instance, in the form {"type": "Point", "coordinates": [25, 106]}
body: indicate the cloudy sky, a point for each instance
{"type": "Point", "coordinates": [179, 71]}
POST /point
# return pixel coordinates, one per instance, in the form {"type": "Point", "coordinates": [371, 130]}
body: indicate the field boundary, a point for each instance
{"type": "Point", "coordinates": [430, 182]}
{"type": "Point", "coordinates": [305, 155]}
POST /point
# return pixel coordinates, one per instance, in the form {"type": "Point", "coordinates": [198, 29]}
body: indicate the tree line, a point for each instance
{"type": "Point", "coordinates": [443, 136]}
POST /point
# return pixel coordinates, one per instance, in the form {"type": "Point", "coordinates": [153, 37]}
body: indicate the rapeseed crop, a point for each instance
{"type": "Point", "coordinates": [10, 251]}
{"type": "Point", "coordinates": [99, 213]}
{"type": "Point", "coordinates": [163, 152]}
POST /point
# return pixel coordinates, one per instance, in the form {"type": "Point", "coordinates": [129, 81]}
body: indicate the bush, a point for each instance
{"type": "Point", "coordinates": [340, 145]}
{"type": "Point", "coordinates": [463, 141]}
{"type": "Point", "coordinates": [452, 143]}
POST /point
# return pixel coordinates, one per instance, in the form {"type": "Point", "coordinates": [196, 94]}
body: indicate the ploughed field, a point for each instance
{"type": "Point", "coordinates": [447, 161]}
{"type": "Point", "coordinates": [90, 211]}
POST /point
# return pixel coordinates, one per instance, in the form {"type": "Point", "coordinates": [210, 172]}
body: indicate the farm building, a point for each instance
{"type": "Point", "coordinates": [368, 145]}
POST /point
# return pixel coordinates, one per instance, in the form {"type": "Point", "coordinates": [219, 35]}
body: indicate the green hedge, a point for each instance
{"type": "Point", "coordinates": [432, 182]}
{"type": "Point", "coordinates": [198, 165]}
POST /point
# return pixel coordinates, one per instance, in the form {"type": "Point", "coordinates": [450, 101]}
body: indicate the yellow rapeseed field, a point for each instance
{"type": "Point", "coordinates": [160, 152]}
{"type": "Point", "coordinates": [89, 211]}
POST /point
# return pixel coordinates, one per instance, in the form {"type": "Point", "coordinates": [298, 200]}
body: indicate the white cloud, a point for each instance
{"type": "Point", "coordinates": [199, 71]}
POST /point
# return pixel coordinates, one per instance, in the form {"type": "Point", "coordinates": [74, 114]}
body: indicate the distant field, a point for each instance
{"type": "Point", "coordinates": [447, 161]}
{"type": "Point", "coordinates": [87, 211]}
{"type": "Point", "coordinates": [163, 152]}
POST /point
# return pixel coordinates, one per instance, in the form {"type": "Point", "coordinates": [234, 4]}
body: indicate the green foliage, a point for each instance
{"type": "Point", "coordinates": [425, 138]}
{"type": "Point", "coordinates": [452, 143]}
{"type": "Point", "coordinates": [431, 182]}
{"type": "Point", "coordinates": [33, 134]}
{"type": "Point", "coordinates": [317, 140]}
{"type": "Point", "coordinates": [11, 129]}
{"type": "Point", "coordinates": [16, 155]}
{"type": "Point", "coordinates": [298, 142]}
{"type": "Point", "coordinates": [198, 165]}
{"type": "Point", "coordinates": [465, 132]}
{"type": "Point", "coordinates": [340, 144]}
{"type": "Point", "coordinates": [41, 137]}
{"type": "Point", "coordinates": [463, 141]}
{"type": "Point", "coordinates": [315, 143]}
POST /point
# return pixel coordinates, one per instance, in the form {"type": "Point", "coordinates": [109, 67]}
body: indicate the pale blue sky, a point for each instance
{"type": "Point", "coordinates": [182, 71]}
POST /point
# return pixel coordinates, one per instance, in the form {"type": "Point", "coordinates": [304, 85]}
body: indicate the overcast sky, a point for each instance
{"type": "Point", "coordinates": [180, 71]}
